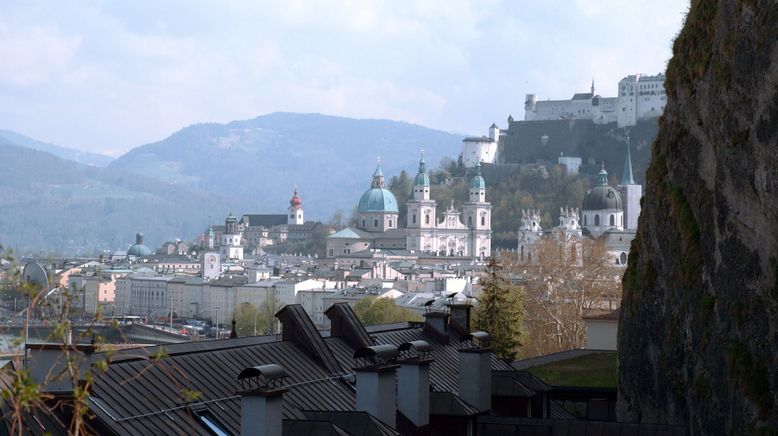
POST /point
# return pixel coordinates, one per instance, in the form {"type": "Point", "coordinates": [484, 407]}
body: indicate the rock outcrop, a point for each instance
{"type": "Point", "coordinates": [698, 335]}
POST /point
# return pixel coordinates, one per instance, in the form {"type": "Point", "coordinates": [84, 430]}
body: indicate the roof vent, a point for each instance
{"type": "Point", "coordinates": [375, 355]}
{"type": "Point", "coordinates": [266, 377]}
{"type": "Point", "coordinates": [474, 340]}
{"type": "Point", "coordinates": [415, 350]}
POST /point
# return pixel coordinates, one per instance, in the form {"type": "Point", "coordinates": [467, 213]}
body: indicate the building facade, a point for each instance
{"type": "Point", "coordinates": [465, 233]}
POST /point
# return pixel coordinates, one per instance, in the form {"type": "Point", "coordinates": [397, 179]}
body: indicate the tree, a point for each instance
{"type": "Point", "coordinates": [567, 279]}
{"type": "Point", "coordinates": [375, 310]}
{"type": "Point", "coordinates": [251, 320]}
{"type": "Point", "coordinates": [500, 311]}
{"type": "Point", "coordinates": [402, 188]}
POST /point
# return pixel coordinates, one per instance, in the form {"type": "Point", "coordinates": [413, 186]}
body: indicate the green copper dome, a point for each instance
{"type": "Point", "coordinates": [378, 198]}
{"type": "Point", "coordinates": [422, 179]}
{"type": "Point", "coordinates": [477, 182]}
{"type": "Point", "coordinates": [138, 249]}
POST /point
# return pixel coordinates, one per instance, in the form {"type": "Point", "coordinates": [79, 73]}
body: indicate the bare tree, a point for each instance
{"type": "Point", "coordinates": [567, 278]}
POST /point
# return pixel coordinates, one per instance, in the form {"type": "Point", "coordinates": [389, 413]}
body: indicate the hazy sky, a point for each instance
{"type": "Point", "coordinates": [108, 76]}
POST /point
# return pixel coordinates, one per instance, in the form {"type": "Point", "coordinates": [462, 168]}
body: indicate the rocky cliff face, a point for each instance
{"type": "Point", "coordinates": [698, 337]}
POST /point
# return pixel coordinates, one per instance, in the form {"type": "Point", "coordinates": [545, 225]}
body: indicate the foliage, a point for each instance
{"type": "Point", "coordinates": [500, 311]}
{"type": "Point", "coordinates": [374, 310]}
{"type": "Point", "coordinates": [402, 187]}
{"type": "Point", "coordinates": [566, 279]}
{"type": "Point", "coordinates": [251, 320]}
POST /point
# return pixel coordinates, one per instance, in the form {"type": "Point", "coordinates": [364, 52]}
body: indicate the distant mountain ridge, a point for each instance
{"type": "Point", "coordinates": [8, 137]}
{"type": "Point", "coordinates": [58, 205]}
{"type": "Point", "coordinates": [174, 187]}
{"type": "Point", "coordinates": [330, 159]}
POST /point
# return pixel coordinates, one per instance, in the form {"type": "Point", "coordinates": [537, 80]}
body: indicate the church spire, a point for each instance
{"type": "Point", "coordinates": [592, 86]}
{"type": "Point", "coordinates": [378, 177]}
{"type": "Point", "coordinates": [626, 178]}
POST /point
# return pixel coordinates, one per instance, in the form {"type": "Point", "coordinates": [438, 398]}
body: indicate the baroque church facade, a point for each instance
{"type": "Point", "coordinates": [607, 213]}
{"type": "Point", "coordinates": [465, 233]}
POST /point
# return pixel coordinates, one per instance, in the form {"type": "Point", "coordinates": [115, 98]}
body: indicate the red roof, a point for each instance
{"type": "Point", "coordinates": [295, 201]}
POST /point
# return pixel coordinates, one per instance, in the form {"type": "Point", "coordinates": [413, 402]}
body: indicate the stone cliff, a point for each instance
{"type": "Point", "coordinates": [698, 336]}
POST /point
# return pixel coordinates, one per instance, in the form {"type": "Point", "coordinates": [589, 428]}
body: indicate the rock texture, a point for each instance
{"type": "Point", "coordinates": [698, 336]}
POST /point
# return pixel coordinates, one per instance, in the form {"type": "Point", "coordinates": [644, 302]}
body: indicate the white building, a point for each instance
{"type": "Point", "coordinates": [481, 149]}
{"type": "Point", "coordinates": [459, 233]}
{"type": "Point", "coordinates": [640, 97]}
{"type": "Point", "coordinates": [231, 245]}
{"type": "Point", "coordinates": [295, 210]}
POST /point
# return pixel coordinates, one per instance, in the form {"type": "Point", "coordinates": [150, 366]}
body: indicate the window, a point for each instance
{"type": "Point", "coordinates": [585, 220]}
{"type": "Point", "coordinates": [470, 221]}
{"type": "Point", "coordinates": [211, 423]}
{"type": "Point", "coordinates": [363, 223]}
{"type": "Point", "coordinates": [413, 219]}
{"type": "Point", "coordinates": [613, 221]}
{"type": "Point", "coordinates": [375, 223]}
{"type": "Point", "coordinates": [426, 219]}
{"type": "Point", "coordinates": [390, 224]}
{"type": "Point", "coordinates": [596, 220]}
{"type": "Point", "coordinates": [483, 220]}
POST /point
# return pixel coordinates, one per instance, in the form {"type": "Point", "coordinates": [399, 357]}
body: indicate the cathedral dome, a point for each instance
{"type": "Point", "coordinates": [602, 196]}
{"type": "Point", "coordinates": [138, 249]}
{"type": "Point", "coordinates": [378, 200]}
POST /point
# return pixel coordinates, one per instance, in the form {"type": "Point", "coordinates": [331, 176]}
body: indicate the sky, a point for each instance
{"type": "Point", "coordinates": [107, 76]}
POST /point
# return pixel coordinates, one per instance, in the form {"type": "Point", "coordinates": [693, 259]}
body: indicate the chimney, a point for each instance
{"type": "Point", "coordinates": [436, 323]}
{"type": "Point", "coordinates": [475, 370]}
{"type": "Point", "coordinates": [261, 412]}
{"type": "Point", "coordinates": [413, 382]}
{"type": "Point", "coordinates": [460, 317]}
{"type": "Point", "coordinates": [375, 374]}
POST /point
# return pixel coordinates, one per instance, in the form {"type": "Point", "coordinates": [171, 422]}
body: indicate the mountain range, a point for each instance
{"type": "Point", "coordinates": [66, 201]}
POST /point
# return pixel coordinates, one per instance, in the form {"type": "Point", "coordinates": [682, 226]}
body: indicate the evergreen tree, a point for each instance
{"type": "Point", "coordinates": [500, 311]}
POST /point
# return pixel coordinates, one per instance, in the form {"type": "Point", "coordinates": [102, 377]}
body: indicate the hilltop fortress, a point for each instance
{"type": "Point", "coordinates": [640, 97]}
{"type": "Point", "coordinates": [584, 130]}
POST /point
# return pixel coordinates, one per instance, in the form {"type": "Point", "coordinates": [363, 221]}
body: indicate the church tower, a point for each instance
{"type": "Point", "coordinates": [529, 232]}
{"type": "Point", "coordinates": [295, 210]}
{"type": "Point", "coordinates": [478, 217]}
{"type": "Point", "coordinates": [421, 212]}
{"type": "Point", "coordinates": [631, 193]}
{"type": "Point", "coordinates": [231, 247]}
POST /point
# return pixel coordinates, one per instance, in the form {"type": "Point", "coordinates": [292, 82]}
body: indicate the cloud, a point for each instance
{"type": "Point", "coordinates": [107, 77]}
{"type": "Point", "coordinates": [31, 55]}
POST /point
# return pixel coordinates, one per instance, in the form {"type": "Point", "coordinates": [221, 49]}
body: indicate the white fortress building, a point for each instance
{"type": "Point", "coordinates": [640, 97]}
{"type": "Point", "coordinates": [481, 149]}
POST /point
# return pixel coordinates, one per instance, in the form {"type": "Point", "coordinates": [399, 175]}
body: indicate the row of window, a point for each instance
{"type": "Point", "coordinates": [597, 220]}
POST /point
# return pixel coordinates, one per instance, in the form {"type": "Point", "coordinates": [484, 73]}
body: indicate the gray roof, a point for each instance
{"type": "Point", "coordinates": [264, 220]}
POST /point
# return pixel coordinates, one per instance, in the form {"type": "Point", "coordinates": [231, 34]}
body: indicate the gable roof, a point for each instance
{"type": "Point", "coordinates": [347, 233]}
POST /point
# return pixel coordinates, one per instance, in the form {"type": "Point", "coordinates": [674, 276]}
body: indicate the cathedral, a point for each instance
{"type": "Point", "coordinates": [465, 233]}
